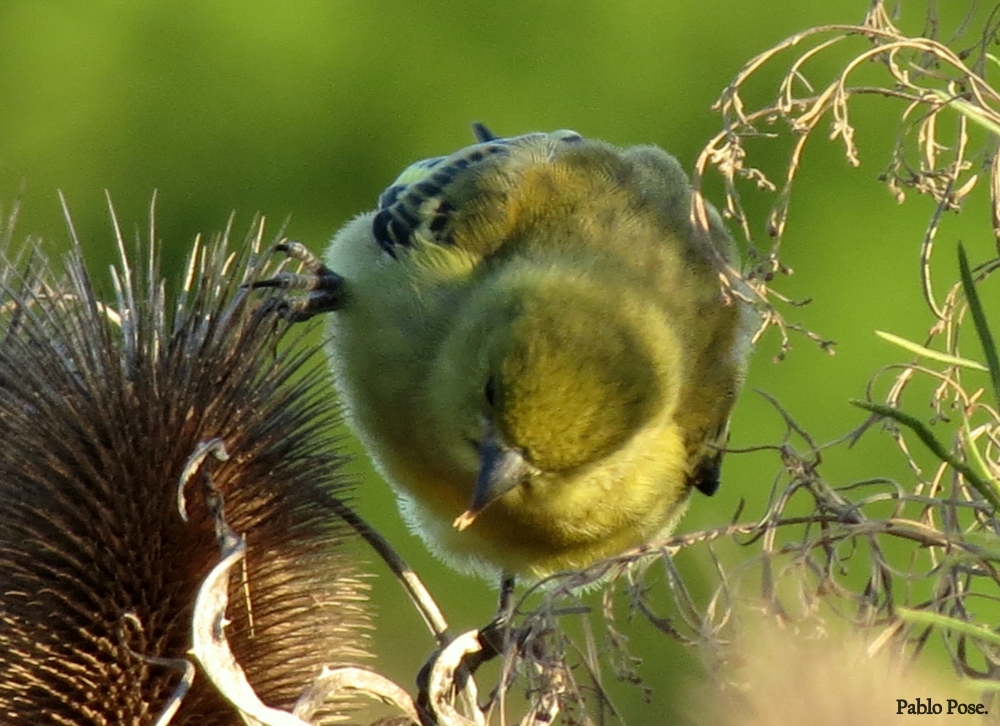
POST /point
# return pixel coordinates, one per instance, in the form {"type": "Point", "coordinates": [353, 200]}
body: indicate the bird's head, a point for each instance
{"type": "Point", "coordinates": [562, 381]}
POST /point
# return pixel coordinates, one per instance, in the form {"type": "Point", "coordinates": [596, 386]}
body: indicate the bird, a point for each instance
{"type": "Point", "coordinates": [534, 343]}
{"type": "Point", "coordinates": [101, 405]}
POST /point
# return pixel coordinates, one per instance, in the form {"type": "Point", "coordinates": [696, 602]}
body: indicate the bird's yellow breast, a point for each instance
{"type": "Point", "coordinates": [590, 238]}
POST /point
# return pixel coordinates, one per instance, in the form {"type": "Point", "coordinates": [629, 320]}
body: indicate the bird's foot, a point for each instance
{"type": "Point", "coordinates": [323, 288]}
{"type": "Point", "coordinates": [450, 669]}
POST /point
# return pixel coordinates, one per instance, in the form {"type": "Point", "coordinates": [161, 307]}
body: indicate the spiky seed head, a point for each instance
{"type": "Point", "coordinates": [101, 404]}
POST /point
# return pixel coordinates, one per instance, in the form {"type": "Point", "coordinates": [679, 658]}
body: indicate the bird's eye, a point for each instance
{"type": "Point", "coordinates": [490, 392]}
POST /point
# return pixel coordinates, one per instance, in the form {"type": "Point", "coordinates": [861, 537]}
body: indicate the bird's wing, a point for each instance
{"type": "Point", "coordinates": [423, 198]}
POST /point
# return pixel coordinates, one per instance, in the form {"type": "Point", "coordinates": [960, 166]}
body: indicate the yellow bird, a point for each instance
{"type": "Point", "coordinates": [533, 345]}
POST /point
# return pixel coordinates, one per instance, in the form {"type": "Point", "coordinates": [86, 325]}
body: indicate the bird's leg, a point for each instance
{"type": "Point", "coordinates": [493, 634]}
{"type": "Point", "coordinates": [324, 287]}
{"type": "Point", "coordinates": [462, 656]}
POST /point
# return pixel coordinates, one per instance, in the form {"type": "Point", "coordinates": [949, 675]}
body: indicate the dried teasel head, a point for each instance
{"type": "Point", "coordinates": [101, 404]}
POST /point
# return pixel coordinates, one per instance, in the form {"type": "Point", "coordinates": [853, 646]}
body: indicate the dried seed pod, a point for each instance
{"type": "Point", "coordinates": [101, 404]}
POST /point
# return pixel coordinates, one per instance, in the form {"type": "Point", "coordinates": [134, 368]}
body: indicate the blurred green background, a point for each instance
{"type": "Point", "coordinates": [306, 109]}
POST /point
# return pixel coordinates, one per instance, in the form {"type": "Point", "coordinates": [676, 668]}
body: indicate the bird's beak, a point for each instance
{"type": "Point", "coordinates": [501, 468]}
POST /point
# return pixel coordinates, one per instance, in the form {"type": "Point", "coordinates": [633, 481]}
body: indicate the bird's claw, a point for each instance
{"type": "Point", "coordinates": [323, 288]}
